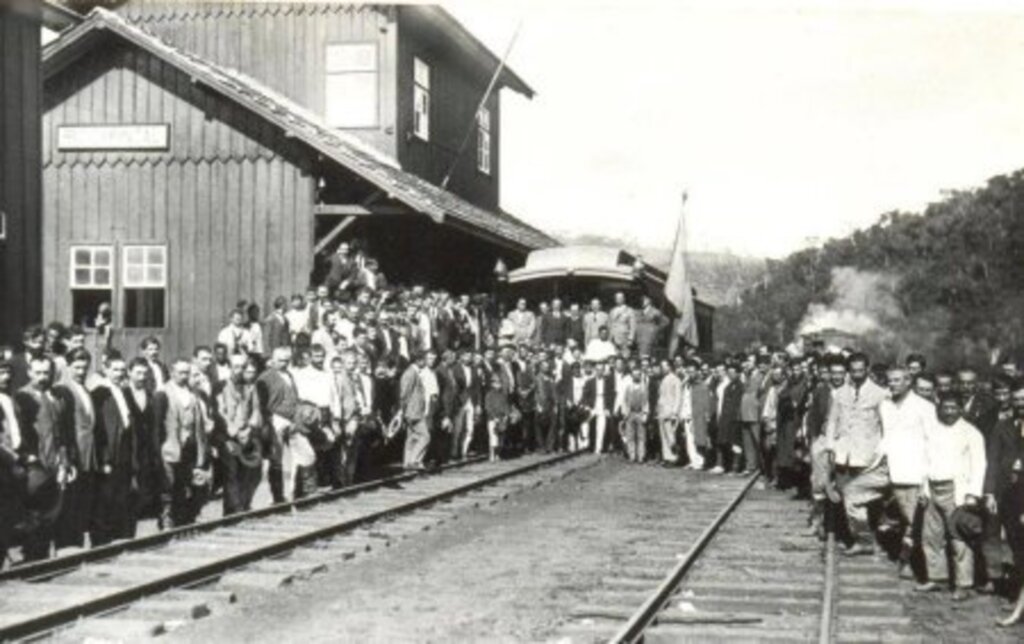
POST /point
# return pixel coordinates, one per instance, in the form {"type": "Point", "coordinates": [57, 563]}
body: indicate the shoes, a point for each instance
{"type": "Point", "coordinates": [962, 594]}
{"type": "Point", "coordinates": [929, 587]}
{"type": "Point", "coordinates": [989, 588]}
{"type": "Point", "coordinates": [718, 469]}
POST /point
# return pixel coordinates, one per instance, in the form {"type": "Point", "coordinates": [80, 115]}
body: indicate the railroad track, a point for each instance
{"type": "Point", "coordinates": [146, 586]}
{"type": "Point", "coordinates": [750, 574]}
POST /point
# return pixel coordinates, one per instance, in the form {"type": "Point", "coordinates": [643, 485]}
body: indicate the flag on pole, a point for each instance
{"type": "Point", "coordinates": [677, 287]}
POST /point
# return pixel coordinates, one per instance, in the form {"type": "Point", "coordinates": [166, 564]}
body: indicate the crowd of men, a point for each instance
{"type": "Point", "coordinates": [338, 384]}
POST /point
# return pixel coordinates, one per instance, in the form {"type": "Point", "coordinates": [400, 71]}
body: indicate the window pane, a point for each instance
{"type": "Point", "coordinates": [421, 116]}
{"type": "Point", "coordinates": [352, 100]}
{"type": "Point", "coordinates": [144, 308]}
{"type": "Point", "coordinates": [85, 304]}
{"type": "Point", "coordinates": [484, 119]}
{"type": "Point", "coordinates": [155, 275]}
{"type": "Point", "coordinates": [133, 275]}
{"type": "Point", "coordinates": [101, 277]}
{"type": "Point", "coordinates": [421, 73]}
{"type": "Point", "coordinates": [101, 256]}
{"type": "Point", "coordinates": [155, 255]}
{"type": "Point", "coordinates": [83, 277]}
{"type": "Point", "coordinates": [352, 57]}
{"type": "Point", "coordinates": [82, 257]}
{"type": "Point", "coordinates": [133, 255]}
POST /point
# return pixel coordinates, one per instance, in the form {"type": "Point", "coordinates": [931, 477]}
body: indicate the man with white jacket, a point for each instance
{"type": "Point", "coordinates": [955, 468]}
{"type": "Point", "coordinates": [899, 464]}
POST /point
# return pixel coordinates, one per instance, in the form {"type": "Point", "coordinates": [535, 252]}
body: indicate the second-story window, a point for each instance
{"type": "Point", "coordinates": [421, 99]}
{"type": "Point", "coordinates": [483, 140]}
{"type": "Point", "coordinates": [351, 92]}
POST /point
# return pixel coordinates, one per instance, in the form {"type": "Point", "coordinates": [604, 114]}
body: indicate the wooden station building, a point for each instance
{"type": "Point", "coordinates": [195, 154]}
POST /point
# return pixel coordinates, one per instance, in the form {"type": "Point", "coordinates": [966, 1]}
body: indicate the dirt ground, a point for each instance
{"type": "Point", "coordinates": [506, 573]}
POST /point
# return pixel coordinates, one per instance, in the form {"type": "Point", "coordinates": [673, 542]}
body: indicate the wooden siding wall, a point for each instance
{"type": "Point", "coordinates": [454, 96]}
{"type": "Point", "coordinates": [283, 45]}
{"type": "Point", "coordinates": [20, 174]}
{"type": "Point", "coordinates": [235, 212]}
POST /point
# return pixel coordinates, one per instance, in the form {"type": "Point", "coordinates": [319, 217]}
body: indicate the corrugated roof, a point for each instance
{"type": "Point", "coordinates": [348, 151]}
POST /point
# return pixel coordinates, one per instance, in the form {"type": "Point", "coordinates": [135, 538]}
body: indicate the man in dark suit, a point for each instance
{"type": "Point", "coordinates": [980, 409]}
{"type": "Point", "coordinates": [729, 396]}
{"type": "Point", "coordinates": [342, 270]}
{"type": "Point", "coordinates": [576, 328]}
{"type": "Point", "coordinates": [554, 325]}
{"type": "Point", "coordinates": [44, 448]}
{"type": "Point", "coordinates": [158, 373]}
{"type": "Point", "coordinates": [275, 327]}
{"type": "Point", "coordinates": [279, 403]}
{"type": "Point", "coordinates": [80, 425]}
{"type": "Point", "coordinates": [546, 406]}
{"type": "Point", "coordinates": [1004, 485]}
{"type": "Point", "coordinates": [469, 398]}
{"type": "Point", "coordinates": [142, 421]}
{"type": "Point", "coordinates": [117, 451]}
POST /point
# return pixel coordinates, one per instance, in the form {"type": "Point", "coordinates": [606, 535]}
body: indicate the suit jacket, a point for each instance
{"type": "Point", "coordinates": [182, 429]}
{"type": "Point", "coordinates": [576, 330]}
{"type": "Point", "coordinates": [469, 390]}
{"type": "Point", "coordinates": [80, 427]}
{"type": "Point", "coordinates": [524, 324]}
{"type": "Point", "coordinates": [151, 379]}
{"type": "Point", "coordinates": [750, 407]}
{"type": "Point", "coordinates": [702, 408]}
{"type": "Point", "coordinates": [650, 323]}
{"type": "Point", "coordinates": [339, 270]}
{"type": "Point", "coordinates": [147, 437]}
{"type": "Point", "coordinates": [275, 333]}
{"type": "Point", "coordinates": [554, 329]}
{"type": "Point", "coordinates": [277, 394]}
{"type": "Point", "coordinates": [19, 370]}
{"type": "Point", "coordinates": [449, 391]}
{"type": "Point", "coordinates": [116, 442]}
{"type": "Point", "coordinates": [40, 417]}
{"type": "Point", "coordinates": [854, 425]}
{"type": "Point", "coordinates": [670, 397]}
{"type": "Point", "coordinates": [545, 397]}
{"type": "Point", "coordinates": [729, 420]}
{"type": "Point", "coordinates": [412, 398]}
{"type": "Point", "coordinates": [982, 411]}
{"type": "Point", "coordinates": [1005, 447]}
{"type": "Point", "coordinates": [622, 325]}
{"type": "Point", "coordinates": [592, 323]}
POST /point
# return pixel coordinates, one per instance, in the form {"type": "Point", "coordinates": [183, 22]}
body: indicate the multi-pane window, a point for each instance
{"type": "Point", "coordinates": [483, 140]}
{"type": "Point", "coordinates": [421, 99]}
{"type": "Point", "coordinates": [351, 93]}
{"type": "Point", "coordinates": [92, 282]}
{"type": "Point", "coordinates": [144, 282]}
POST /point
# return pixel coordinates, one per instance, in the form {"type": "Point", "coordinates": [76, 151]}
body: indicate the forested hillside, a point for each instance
{"type": "Point", "coordinates": [948, 281]}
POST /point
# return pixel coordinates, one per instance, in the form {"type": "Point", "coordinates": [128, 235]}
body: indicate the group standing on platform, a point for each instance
{"type": "Point", "coordinates": [356, 376]}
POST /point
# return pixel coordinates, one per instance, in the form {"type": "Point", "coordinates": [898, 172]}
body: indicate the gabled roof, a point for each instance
{"type": "Point", "coordinates": [300, 124]}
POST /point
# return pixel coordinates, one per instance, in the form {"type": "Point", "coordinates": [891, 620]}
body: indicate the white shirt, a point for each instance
{"type": "Point", "coordinates": [7, 405]}
{"type": "Point", "coordinates": [578, 382]}
{"type": "Point", "coordinates": [904, 425]}
{"type": "Point", "coordinates": [122, 405]}
{"type": "Point", "coordinates": [956, 453]}
{"type": "Point", "coordinates": [430, 387]}
{"type": "Point", "coordinates": [686, 404]}
{"type": "Point", "coordinates": [313, 385]}
{"type": "Point", "coordinates": [237, 339]}
{"type": "Point", "coordinates": [599, 350]}
{"type": "Point", "coordinates": [367, 391]}
{"type": "Point", "coordinates": [298, 319]}
{"type": "Point", "coordinates": [599, 395]}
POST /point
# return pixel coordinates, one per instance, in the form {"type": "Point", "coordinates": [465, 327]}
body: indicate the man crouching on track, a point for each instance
{"type": "Point", "coordinates": [184, 449]}
{"type": "Point", "coordinates": [899, 466]}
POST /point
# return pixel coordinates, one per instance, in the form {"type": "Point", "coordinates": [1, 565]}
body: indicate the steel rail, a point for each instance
{"type": "Point", "coordinates": [58, 565]}
{"type": "Point", "coordinates": [827, 626]}
{"type": "Point", "coordinates": [633, 630]}
{"type": "Point", "coordinates": [123, 596]}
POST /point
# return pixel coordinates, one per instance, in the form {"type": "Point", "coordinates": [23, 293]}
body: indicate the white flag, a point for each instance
{"type": "Point", "coordinates": [677, 287]}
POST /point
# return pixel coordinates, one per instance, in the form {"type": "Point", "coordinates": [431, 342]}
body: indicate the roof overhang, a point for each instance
{"type": "Point", "coordinates": [301, 125]}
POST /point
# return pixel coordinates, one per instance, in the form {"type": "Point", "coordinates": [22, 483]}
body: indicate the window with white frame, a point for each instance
{"type": "Point", "coordinates": [483, 140]}
{"type": "Point", "coordinates": [144, 281]}
{"type": "Point", "coordinates": [92, 282]}
{"type": "Point", "coordinates": [352, 90]}
{"type": "Point", "coordinates": [421, 99]}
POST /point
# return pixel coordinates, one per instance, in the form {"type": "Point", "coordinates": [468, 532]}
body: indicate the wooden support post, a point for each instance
{"type": "Point", "coordinates": [331, 236]}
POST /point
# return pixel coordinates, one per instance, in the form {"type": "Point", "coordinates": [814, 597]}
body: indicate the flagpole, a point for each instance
{"type": "Point", "coordinates": [673, 343]}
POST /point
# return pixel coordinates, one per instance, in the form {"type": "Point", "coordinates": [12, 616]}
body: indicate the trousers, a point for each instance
{"type": "Point", "coordinates": [937, 534]}
{"type": "Point", "coordinates": [668, 427]}
{"type": "Point", "coordinates": [600, 423]}
{"type": "Point", "coordinates": [240, 483]}
{"type": "Point", "coordinates": [870, 485]}
{"type": "Point", "coordinates": [751, 435]}
{"type": "Point", "coordinates": [417, 440]}
{"type": "Point", "coordinates": [821, 469]}
{"type": "Point", "coordinates": [692, 453]}
{"type": "Point", "coordinates": [462, 430]}
{"type": "Point", "coordinates": [635, 436]}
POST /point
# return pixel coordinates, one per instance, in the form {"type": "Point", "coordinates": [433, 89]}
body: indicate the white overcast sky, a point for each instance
{"type": "Point", "coordinates": [785, 120]}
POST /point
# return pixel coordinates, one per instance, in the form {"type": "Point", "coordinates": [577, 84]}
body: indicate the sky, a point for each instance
{"type": "Point", "coordinates": [786, 122]}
